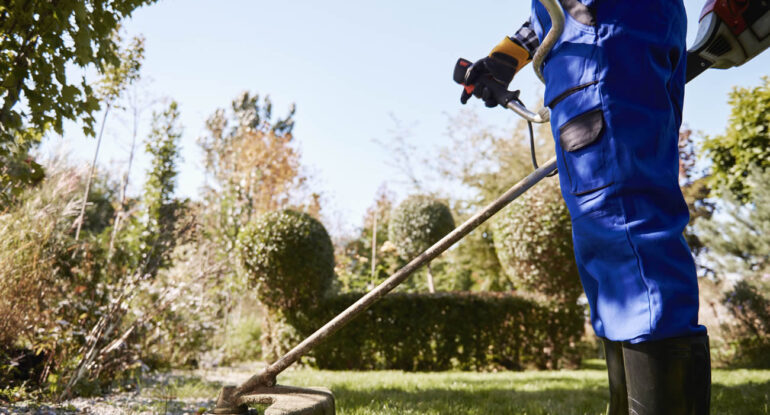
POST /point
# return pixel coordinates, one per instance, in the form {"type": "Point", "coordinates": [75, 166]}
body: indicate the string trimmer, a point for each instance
{"type": "Point", "coordinates": [731, 32]}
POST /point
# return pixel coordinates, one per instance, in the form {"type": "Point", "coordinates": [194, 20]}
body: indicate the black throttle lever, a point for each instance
{"type": "Point", "coordinates": [502, 95]}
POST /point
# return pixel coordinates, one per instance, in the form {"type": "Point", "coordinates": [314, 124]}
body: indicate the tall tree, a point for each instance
{"type": "Point", "coordinates": [116, 79]}
{"type": "Point", "coordinates": [252, 162]}
{"type": "Point", "coordinates": [252, 167]}
{"type": "Point", "coordinates": [161, 212]}
{"type": "Point", "coordinates": [738, 240]}
{"type": "Point", "coordinates": [138, 100]}
{"type": "Point", "coordinates": [41, 41]}
{"type": "Point", "coordinates": [737, 251]}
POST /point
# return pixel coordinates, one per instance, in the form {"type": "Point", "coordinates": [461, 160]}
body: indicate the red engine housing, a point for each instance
{"type": "Point", "coordinates": [729, 11]}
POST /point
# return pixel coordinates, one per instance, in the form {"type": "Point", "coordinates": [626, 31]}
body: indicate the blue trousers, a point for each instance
{"type": "Point", "coordinates": [615, 86]}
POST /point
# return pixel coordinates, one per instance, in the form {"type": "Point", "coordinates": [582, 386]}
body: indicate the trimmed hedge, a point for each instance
{"type": "Point", "coordinates": [289, 257]}
{"type": "Point", "coordinates": [464, 331]}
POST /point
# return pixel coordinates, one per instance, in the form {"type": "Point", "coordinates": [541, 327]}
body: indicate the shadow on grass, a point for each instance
{"type": "Point", "coordinates": [483, 401]}
{"type": "Point", "coordinates": [746, 399]}
{"type": "Point", "coordinates": [540, 396]}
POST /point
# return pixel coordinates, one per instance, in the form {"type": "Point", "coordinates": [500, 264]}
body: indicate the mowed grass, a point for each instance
{"type": "Point", "coordinates": [579, 392]}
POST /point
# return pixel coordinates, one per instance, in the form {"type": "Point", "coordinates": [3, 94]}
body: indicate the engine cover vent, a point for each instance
{"type": "Point", "coordinates": [719, 46]}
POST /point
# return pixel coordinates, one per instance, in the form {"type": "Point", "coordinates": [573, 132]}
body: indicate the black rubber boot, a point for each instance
{"type": "Point", "coordinates": [668, 377]}
{"type": "Point", "coordinates": [613, 354]}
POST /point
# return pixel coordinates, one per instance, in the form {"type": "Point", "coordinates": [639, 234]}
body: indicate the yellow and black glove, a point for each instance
{"type": "Point", "coordinates": [500, 66]}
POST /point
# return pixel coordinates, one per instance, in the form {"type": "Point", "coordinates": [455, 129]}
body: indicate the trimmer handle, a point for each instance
{"type": "Point", "coordinates": [461, 68]}
{"type": "Point", "coordinates": [499, 93]}
{"type": "Point", "coordinates": [507, 99]}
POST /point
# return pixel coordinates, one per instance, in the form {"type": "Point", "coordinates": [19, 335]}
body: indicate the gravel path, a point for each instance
{"type": "Point", "coordinates": [176, 392]}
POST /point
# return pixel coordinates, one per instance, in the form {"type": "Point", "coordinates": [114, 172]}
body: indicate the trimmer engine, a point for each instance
{"type": "Point", "coordinates": [731, 32]}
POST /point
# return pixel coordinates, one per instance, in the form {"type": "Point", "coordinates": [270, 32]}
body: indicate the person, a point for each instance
{"type": "Point", "coordinates": [614, 83]}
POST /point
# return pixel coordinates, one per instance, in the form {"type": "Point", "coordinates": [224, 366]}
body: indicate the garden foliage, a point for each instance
{"type": "Point", "coordinates": [745, 145]}
{"type": "Point", "coordinates": [737, 244]}
{"type": "Point", "coordinates": [288, 255]}
{"type": "Point", "coordinates": [35, 268]}
{"type": "Point", "coordinates": [354, 254]}
{"type": "Point", "coordinates": [417, 223]}
{"type": "Point", "coordinates": [749, 304]}
{"type": "Point", "coordinates": [289, 258]}
{"type": "Point", "coordinates": [484, 161]}
{"type": "Point", "coordinates": [252, 167]}
{"type": "Point", "coordinates": [42, 42]}
{"type": "Point", "coordinates": [459, 330]}
{"type": "Point", "coordinates": [97, 314]}
{"type": "Point", "coordinates": [533, 240]}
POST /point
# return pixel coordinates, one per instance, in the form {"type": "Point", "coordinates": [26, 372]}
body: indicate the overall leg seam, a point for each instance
{"type": "Point", "coordinates": [638, 263]}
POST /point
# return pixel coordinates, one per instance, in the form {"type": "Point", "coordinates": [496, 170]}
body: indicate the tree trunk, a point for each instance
{"type": "Point", "coordinates": [431, 288]}
{"type": "Point", "coordinates": [121, 212]}
{"type": "Point", "coordinates": [82, 215]}
{"type": "Point", "coordinates": [374, 249]}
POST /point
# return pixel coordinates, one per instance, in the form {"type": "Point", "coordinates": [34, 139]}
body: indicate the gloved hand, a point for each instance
{"type": "Point", "coordinates": [500, 66]}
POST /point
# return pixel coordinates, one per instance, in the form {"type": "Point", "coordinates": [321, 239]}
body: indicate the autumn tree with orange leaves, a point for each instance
{"type": "Point", "coordinates": [252, 166]}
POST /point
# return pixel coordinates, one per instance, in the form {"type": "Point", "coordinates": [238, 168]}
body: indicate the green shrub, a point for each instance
{"type": "Point", "coordinates": [282, 331]}
{"type": "Point", "coordinates": [751, 331]}
{"type": "Point", "coordinates": [45, 294]}
{"type": "Point", "coordinates": [52, 288]}
{"type": "Point", "coordinates": [289, 257]}
{"type": "Point", "coordinates": [533, 240]}
{"type": "Point", "coordinates": [465, 331]}
{"type": "Point", "coordinates": [745, 145]}
{"type": "Point", "coordinates": [417, 223]}
{"type": "Point", "coordinates": [242, 341]}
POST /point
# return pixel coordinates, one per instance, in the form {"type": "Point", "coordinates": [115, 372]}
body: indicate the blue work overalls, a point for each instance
{"type": "Point", "coordinates": [615, 86]}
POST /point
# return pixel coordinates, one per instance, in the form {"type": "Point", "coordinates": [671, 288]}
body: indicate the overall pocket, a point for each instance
{"type": "Point", "coordinates": [573, 74]}
{"type": "Point", "coordinates": [574, 60]}
{"type": "Point", "coordinates": [580, 130]}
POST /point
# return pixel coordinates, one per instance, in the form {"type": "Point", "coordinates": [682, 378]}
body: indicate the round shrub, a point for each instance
{"type": "Point", "coordinates": [289, 257]}
{"type": "Point", "coordinates": [417, 223]}
{"type": "Point", "coordinates": [533, 241]}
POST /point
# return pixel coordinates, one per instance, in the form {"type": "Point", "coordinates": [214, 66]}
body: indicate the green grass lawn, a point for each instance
{"type": "Point", "coordinates": [734, 392]}
{"type": "Point", "coordinates": [559, 392]}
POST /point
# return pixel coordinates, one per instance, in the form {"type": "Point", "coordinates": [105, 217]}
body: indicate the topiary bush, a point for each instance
{"type": "Point", "coordinates": [416, 224]}
{"type": "Point", "coordinates": [533, 240]}
{"type": "Point", "coordinates": [289, 258]}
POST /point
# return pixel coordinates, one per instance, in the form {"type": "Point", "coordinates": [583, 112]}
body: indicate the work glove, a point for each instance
{"type": "Point", "coordinates": [500, 66]}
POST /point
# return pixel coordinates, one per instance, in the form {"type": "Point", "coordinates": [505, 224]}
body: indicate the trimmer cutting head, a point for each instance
{"type": "Point", "coordinates": [283, 400]}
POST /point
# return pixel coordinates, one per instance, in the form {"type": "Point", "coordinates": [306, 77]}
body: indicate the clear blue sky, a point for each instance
{"type": "Point", "coordinates": [348, 66]}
